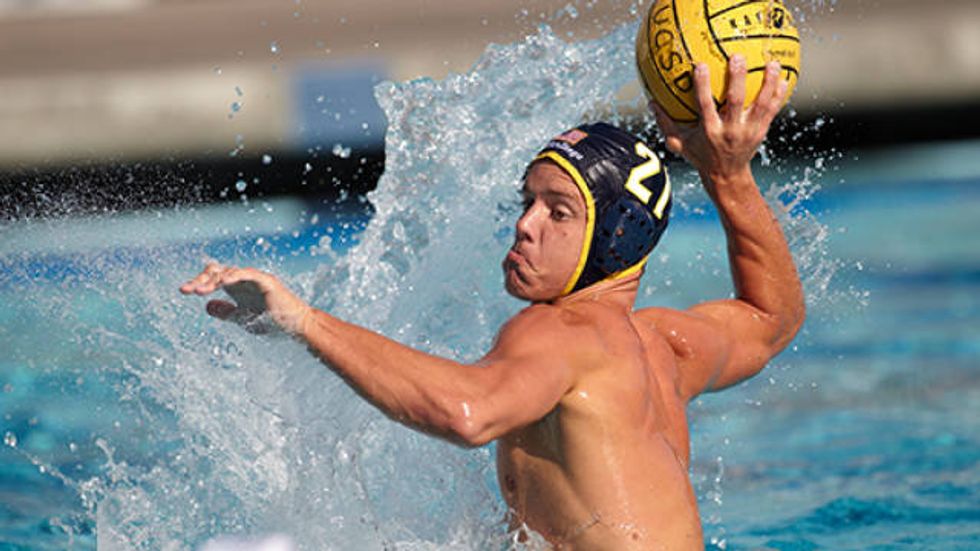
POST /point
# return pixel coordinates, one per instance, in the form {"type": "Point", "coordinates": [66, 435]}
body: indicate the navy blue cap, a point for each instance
{"type": "Point", "coordinates": [627, 197]}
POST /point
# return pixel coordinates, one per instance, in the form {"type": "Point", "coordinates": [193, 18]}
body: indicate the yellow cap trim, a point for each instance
{"type": "Point", "coordinates": [631, 270]}
{"type": "Point", "coordinates": [589, 213]}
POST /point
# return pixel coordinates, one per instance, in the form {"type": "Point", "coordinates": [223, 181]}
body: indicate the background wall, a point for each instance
{"type": "Point", "coordinates": [204, 90]}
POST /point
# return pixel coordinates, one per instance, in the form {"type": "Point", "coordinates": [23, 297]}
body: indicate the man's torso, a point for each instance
{"type": "Point", "coordinates": [607, 468]}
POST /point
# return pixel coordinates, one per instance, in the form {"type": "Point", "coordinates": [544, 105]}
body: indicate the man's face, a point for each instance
{"type": "Point", "coordinates": [548, 237]}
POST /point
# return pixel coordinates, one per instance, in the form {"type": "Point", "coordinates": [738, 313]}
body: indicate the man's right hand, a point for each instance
{"type": "Point", "coordinates": [723, 142]}
{"type": "Point", "coordinates": [261, 304]}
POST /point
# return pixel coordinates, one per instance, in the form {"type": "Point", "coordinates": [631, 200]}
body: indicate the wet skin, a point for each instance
{"type": "Point", "coordinates": [585, 475]}
{"type": "Point", "coordinates": [585, 396]}
{"type": "Point", "coordinates": [607, 467]}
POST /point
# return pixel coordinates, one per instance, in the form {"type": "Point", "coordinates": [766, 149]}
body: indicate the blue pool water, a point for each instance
{"type": "Point", "coordinates": [132, 421]}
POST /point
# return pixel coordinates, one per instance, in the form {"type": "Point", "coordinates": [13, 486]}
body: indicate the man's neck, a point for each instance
{"type": "Point", "coordinates": [619, 293]}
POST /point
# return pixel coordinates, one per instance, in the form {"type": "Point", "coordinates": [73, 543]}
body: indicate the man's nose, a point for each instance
{"type": "Point", "coordinates": [528, 222]}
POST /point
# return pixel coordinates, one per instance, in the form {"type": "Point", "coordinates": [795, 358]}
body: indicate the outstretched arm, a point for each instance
{"type": "Point", "coordinates": [721, 343]}
{"type": "Point", "coordinates": [517, 383]}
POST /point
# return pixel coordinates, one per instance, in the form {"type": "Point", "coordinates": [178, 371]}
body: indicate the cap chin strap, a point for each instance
{"type": "Point", "coordinates": [634, 269]}
{"type": "Point", "coordinates": [589, 214]}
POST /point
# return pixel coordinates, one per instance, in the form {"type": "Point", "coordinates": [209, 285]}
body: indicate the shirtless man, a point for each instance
{"type": "Point", "coordinates": [584, 395]}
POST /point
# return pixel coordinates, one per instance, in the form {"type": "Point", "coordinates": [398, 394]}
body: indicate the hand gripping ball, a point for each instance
{"type": "Point", "coordinates": [676, 34]}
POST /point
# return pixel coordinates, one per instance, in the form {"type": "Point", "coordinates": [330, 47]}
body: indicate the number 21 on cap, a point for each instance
{"type": "Point", "coordinates": [634, 184]}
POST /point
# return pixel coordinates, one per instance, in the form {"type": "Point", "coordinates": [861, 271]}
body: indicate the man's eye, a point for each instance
{"type": "Point", "coordinates": [559, 214]}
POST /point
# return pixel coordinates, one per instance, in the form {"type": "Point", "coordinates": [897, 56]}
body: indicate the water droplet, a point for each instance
{"type": "Point", "coordinates": [72, 447]}
{"type": "Point", "coordinates": [10, 439]}
{"type": "Point", "coordinates": [307, 168]}
{"type": "Point", "coordinates": [241, 185]}
{"type": "Point", "coordinates": [238, 90]}
{"type": "Point", "coordinates": [267, 159]}
{"type": "Point", "coordinates": [274, 47]}
{"type": "Point", "coordinates": [340, 151]}
{"type": "Point", "coordinates": [217, 70]}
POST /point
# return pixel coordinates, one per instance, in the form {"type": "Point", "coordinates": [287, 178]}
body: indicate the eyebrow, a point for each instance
{"type": "Point", "coordinates": [551, 193]}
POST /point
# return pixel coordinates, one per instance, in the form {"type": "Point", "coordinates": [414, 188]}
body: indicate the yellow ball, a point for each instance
{"type": "Point", "coordinates": [676, 34]}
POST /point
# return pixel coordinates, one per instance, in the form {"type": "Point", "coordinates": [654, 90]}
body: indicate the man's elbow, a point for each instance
{"type": "Point", "coordinates": [471, 428]}
{"type": "Point", "coordinates": [798, 319]}
{"type": "Point", "coordinates": [789, 324]}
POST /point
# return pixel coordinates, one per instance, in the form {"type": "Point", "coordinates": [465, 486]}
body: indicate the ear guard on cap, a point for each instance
{"type": "Point", "coordinates": [627, 197]}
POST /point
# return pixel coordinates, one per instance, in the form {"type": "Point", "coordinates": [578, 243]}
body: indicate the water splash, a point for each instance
{"type": "Point", "coordinates": [221, 432]}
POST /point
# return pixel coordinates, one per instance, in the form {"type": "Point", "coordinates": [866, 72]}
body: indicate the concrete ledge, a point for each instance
{"type": "Point", "coordinates": [139, 114]}
{"type": "Point", "coordinates": [143, 82]}
{"type": "Point", "coordinates": [892, 52]}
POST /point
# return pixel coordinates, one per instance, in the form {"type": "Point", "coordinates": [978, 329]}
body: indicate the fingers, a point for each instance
{"type": "Point", "coordinates": [772, 92]}
{"type": "Point", "coordinates": [771, 96]}
{"type": "Point", "coordinates": [216, 276]}
{"type": "Point", "coordinates": [706, 102]}
{"type": "Point", "coordinates": [232, 276]}
{"type": "Point", "coordinates": [206, 282]}
{"type": "Point", "coordinates": [735, 97]}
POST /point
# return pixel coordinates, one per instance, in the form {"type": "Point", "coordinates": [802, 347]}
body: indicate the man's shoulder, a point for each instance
{"type": "Point", "coordinates": [661, 319]}
{"type": "Point", "coordinates": [550, 325]}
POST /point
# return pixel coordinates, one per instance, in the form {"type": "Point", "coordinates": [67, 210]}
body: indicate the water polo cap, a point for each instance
{"type": "Point", "coordinates": [627, 199]}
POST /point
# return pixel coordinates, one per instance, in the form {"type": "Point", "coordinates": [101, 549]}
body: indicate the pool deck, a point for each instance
{"type": "Point", "coordinates": [134, 79]}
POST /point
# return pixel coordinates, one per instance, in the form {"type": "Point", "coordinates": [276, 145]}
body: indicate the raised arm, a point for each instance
{"type": "Point", "coordinates": [517, 383]}
{"type": "Point", "coordinates": [721, 343]}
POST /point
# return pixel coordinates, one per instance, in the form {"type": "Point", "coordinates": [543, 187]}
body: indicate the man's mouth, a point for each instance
{"type": "Point", "coordinates": [515, 262]}
{"type": "Point", "coordinates": [517, 259]}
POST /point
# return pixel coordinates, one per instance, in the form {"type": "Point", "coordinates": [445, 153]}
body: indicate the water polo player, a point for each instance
{"type": "Point", "coordinates": [584, 395]}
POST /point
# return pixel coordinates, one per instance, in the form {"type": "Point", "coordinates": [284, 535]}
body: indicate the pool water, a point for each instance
{"type": "Point", "coordinates": [132, 421]}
